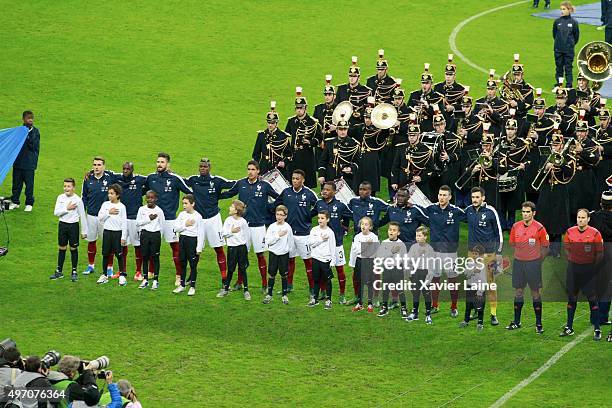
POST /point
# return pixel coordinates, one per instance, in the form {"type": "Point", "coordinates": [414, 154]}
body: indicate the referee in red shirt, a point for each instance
{"type": "Point", "coordinates": [584, 248]}
{"type": "Point", "coordinates": [530, 242]}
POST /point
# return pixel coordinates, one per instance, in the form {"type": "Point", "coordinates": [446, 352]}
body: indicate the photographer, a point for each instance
{"type": "Point", "coordinates": [114, 396]}
{"type": "Point", "coordinates": [78, 382]}
{"type": "Point", "coordinates": [128, 392]}
{"type": "Point", "coordinates": [34, 376]}
{"type": "Point", "coordinates": [11, 366]}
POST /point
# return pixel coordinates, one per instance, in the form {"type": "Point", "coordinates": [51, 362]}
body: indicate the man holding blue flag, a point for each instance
{"type": "Point", "coordinates": [25, 165]}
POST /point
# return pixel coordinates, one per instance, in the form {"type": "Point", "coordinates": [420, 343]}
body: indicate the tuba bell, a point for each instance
{"type": "Point", "coordinates": [343, 110]}
{"type": "Point", "coordinates": [384, 116]}
{"type": "Point", "coordinates": [594, 62]}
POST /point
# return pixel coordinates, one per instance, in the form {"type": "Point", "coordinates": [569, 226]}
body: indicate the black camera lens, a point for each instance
{"type": "Point", "coordinates": [7, 343]}
{"type": "Point", "coordinates": [50, 358]}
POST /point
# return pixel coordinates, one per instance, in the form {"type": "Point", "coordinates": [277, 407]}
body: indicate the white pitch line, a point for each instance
{"type": "Point", "coordinates": [452, 39]}
{"type": "Point", "coordinates": [551, 361]}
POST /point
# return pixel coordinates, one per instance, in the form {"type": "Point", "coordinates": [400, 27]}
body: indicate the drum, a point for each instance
{"type": "Point", "coordinates": [277, 180]}
{"type": "Point", "coordinates": [343, 191]}
{"type": "Point", "coordinates": [506, 183]}
{"type": "Point", "coordinates": [417, 197]}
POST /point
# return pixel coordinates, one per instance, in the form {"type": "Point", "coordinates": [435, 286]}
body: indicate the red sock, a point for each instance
{"type": "Point", "coordinates": [263, 269]}
{"type": "Point", "coordinates": [308, 266]}
{"type": "Point", "coordinates": [91, 252]}
{"type": "Point", "coordinates": [323, 284]}
{"type": "Point", "coordinates": [109, 261]}
{"type": "Point", "coordinates": [138, 259]}
{"type": "Point", "coordinates": [175, 257]}
{"type": "Point", "coordinates": [435, 294]}
{"type": "Point", "coordinates": [454, 294]}
{"type": "Point", "coordinates": [239, 280]}
{"type": "Point", "coordinates": [341, 279]}
{"type": "Point", "coordinates": [291, 271]}
{"type": "Point", "coordinates": [356, 284]}
{"type": "Point", "coordinates": [222, 261]}
{"type": "Point", "coordinates": [123, 267]}
{"type": "Point", "coordinates": [151, 267]}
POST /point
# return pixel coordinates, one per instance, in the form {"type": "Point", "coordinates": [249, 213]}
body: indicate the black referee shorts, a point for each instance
{"type": "Point", "coordinates": [68, 233]}
{"type": "Point", "coordinates": [527, 273]}
{"type": "Point", "coordinates": [581, 277]}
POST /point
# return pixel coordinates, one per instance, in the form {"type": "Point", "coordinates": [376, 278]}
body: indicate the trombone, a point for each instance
{"type": "Point", "coordinates": [557, 159]}
{"type": "Point", "coordinates": [484, 160]}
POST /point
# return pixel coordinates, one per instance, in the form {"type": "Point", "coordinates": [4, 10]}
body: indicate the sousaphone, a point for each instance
{"type": "Point", "coordinates": [384, 116]}
{"type": "Point", "coordinates": [344, 110]}
{"type": "Point", "coordinates": [594, 62]}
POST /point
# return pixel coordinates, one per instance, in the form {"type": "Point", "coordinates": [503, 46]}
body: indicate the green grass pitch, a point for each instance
{"type": "Point", "coordinates": [194, 78]}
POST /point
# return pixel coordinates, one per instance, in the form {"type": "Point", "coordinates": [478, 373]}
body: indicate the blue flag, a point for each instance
{"type": "Point", "coordinates": [11, 141]}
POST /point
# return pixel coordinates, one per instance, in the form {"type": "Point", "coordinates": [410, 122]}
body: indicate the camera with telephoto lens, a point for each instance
{"type": "Point", "coordinates": [4, 204]}
{"type": "Point", "coordinates": [50, 359]}
{"type": "Point", "coordinates": [95, 365]}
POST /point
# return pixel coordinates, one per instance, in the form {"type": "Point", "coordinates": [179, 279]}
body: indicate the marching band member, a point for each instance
{"type": "Point", "coordinates": [518, 93]}
{"type": "Point", "coordinates": [563, 113]}
{"type": "Point", "coordinates": [305, 134]}
{"type": "Point", "coordinates": [491, 108]}
{"type": "Point", "coordinates": [413, 163]}
{"type": "Point", "coordinates": [450, 88]}
{"type": "Point", "coordinates": [422, 101]}
{"type": "Point", "coordinates": [340, 156]}
{"type": "Point", "coordinates": [323, 113]}
{"type": "Point", "coordinates": [553, 209]}
{"type": "Point", "coordinates": [515, 153]}
{"type": "Point", "coordinates": [603, 138]}
{"type": "Point", "coordinates": [381, 84]}
{"type": "Point", "coordinates": [272, 148]}
{"type": "Point", "coordinates": [354, 92]}
{"type": "Point", "coordinates": [583, 187]}
{"type": "Point", "coordinates": [372, 146]}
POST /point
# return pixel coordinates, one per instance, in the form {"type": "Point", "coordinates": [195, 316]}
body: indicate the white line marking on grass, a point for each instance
{"type": "Point", "coordinates": [551, 361]}
{"type": "Point", "coordinates": [452, 39]}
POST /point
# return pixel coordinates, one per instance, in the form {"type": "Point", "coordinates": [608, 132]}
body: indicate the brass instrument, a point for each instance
{"type": "Point", "coordinates": [384, 116]}
{"type": "Point", "coordinates": [484, 160]}
{"type": "Point", "coordinates": [342, 111]}
{"type": "Point", "coordinates": [557, 159]}
{"type": "Point", "coordinates": [508, 90]}
{"type": "Point", "coordinates": [594, 62]}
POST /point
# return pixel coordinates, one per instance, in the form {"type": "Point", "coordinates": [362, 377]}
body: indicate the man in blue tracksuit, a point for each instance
{"type": "Point", "coordinates": [444, 222]}
{"type": "Point", "coordinates": [255, 193]}
{"type": "Point", "coordinates": [94, 193]}
{"type": "Point", "coordinates": [339, 219]}
{"type": "Point", "coordinates": [25, 164]}
{"type": "Point", "coordinates": [207, 190]}
{"type": "Point", "coordinates": [410, 217]}
{"type": "Point", "coordinates": [566, 34]}
{"type": "Point", "coordinates": [168, 187]}
{"type": "Point", "coordinates": [133, 186]}
{"type": "Point", "coordinates": [485, 242]}
{"type": "Point", "coordinates": [300, 201]}
{"type": "Point", "coordinates": [367, 206]}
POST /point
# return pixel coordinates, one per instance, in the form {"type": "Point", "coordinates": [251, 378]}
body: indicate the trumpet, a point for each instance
{"type": "Point", "coordinates": [557, 159]}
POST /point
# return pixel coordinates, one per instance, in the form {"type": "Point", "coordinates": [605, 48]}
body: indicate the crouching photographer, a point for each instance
{"type": "Point", "coordinates": [77, 378]}
{"type": "Point", "coordinates": [112, 399]}
{"type": "Point", "coordinates": [32, 388]}
{"type": "Point", "coordinates": [11, 365]}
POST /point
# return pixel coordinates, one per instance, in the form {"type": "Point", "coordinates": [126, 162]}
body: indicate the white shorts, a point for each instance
{"type": "Point", "coordinates": [445, 262]}
{"type": "Point", "coordinates": [339, 259]}
{"type": "Point", "coordinates": [133, 237]}
{"type": "Point", "coordinates": [257, 239]}
{"type": "Point", "coordinates": [168, 231]}
{"type": "Point", "coordinates": [213, 234]}
{"type": "Point", "coordinates": [300, 247]}
{"type": "Point", "coordinates": [94, 228]}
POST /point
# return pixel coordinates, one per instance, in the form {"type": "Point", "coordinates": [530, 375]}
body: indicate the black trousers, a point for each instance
{"type": "Point", "coordinates": [188, 255]}
{"type": "Point", "coordinates": [111, 242]}
{"type": "Point", "coordinates": [364, 277]}
{"type": "Point", "coordinates": [564, 65]}
{"type": "Point", "coordinates": [393, 276]}
{"type": "Point", "coordinates": [609, 33]}
{"type": "Point", "coordinates": [21, 177]}
{"type": "Point", "coordinates": [237, 255]}
{"type": "Point", "coordinates": [321, 271]}
{"type": "Point", "coordinates": [278, 264]}
{"type": "Point", "coordinates": [150, 243]}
